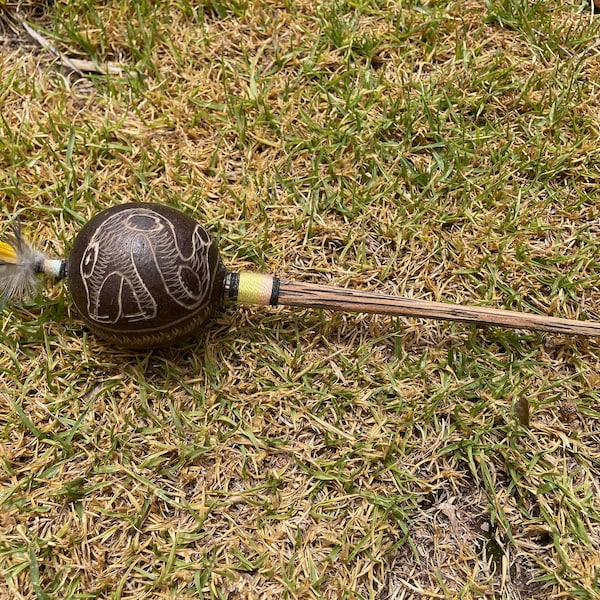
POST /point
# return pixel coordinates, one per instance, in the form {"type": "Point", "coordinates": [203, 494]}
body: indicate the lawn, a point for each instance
{"type": "Point", "coordinates": [440, 150]}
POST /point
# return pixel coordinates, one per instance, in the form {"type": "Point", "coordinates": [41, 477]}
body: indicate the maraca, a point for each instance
{"type": "Point", "coordinates": [144, 275]}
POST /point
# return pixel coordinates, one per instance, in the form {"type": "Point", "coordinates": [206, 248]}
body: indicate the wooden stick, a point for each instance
{"type": "Point", "coordinates": [294, 293]}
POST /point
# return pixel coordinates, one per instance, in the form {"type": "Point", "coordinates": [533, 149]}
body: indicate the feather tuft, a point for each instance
{"type": "Point", "coordinates": [19, 266]}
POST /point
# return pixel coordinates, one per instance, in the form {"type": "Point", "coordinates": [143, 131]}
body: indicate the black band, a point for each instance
{"type": "Point", "coordinates": [232, 282]}
{"type": "Point", "coordinates": [275, 292]}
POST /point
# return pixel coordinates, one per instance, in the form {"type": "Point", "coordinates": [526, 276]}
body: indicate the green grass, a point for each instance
{"type": "Point", "coordinates": [442, 150]}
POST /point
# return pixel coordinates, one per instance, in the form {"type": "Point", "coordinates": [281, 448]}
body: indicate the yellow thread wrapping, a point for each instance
{"type": "Point", "coordinates": [255, 288]}
{"type": "Point", "coordinates": [7, 253]}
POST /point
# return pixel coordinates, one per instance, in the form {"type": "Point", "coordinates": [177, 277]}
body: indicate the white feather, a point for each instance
{"type": "Point", "coordinates": [19, 268]}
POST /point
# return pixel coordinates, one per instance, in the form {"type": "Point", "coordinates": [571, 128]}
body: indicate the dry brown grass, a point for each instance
{"type": "Point", "coordinates": [439, 150]}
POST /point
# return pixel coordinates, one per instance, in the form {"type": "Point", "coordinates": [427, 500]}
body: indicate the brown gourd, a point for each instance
{"type": "Point", "coordinates": [144, 275]}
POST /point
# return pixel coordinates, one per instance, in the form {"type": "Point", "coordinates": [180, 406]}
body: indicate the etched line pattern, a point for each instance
{"type": "Point", "coordinates": [134, 263]}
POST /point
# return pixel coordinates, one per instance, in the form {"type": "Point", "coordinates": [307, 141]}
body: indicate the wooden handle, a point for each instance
{"type": "Point", "coordinates": [294, 293]}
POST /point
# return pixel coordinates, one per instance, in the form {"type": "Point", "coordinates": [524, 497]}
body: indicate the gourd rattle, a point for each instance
{"type": "Point", "coordinates": [144, 275]}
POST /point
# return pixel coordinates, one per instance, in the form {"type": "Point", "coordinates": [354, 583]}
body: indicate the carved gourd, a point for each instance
{"type": "Point", "coordinates": [144, 275]}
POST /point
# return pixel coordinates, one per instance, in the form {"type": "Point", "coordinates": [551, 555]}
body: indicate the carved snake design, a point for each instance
{"type": "Point", "coordinates": [151, 262]}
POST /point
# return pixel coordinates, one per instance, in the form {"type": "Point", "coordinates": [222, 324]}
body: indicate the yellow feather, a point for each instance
{"type": "Point", "coordinates": [7, 253]}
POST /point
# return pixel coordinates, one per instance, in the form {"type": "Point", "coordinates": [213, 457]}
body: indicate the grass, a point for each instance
{"type": "Point", "coordinates": [444, 150]}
